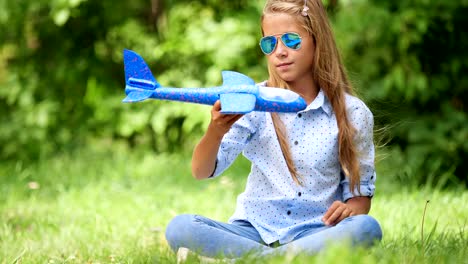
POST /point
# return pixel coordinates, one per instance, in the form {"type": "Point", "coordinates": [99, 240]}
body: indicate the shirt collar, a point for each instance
{"type": "Point", "coordinates": [321, 101]}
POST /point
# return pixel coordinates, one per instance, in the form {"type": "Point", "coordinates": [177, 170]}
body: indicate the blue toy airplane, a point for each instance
{"type": "Point", "coordinates": [238, 95]}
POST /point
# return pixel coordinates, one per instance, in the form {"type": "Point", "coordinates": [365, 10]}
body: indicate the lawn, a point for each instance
{"type": "Point", "coordinates": [112, 207]}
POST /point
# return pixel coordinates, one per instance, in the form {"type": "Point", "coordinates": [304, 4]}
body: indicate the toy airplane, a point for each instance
{"type": "Point", "coordinates": [238, 95]}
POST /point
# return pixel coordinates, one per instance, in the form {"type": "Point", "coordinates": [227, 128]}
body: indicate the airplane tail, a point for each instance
{"type": "Point", "coordinates": [138, 75]}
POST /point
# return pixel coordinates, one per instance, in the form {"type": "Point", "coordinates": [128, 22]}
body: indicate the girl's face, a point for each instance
{"type": "Point", "coordinates": [290, 65]}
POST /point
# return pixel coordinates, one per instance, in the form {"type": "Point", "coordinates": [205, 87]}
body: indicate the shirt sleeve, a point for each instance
{"type": "Point", "coordinates": [363, 121]}
{"type": "Point", "coordinates": [233, 143]}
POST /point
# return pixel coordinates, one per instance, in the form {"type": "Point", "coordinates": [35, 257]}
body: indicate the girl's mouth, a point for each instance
{"type": "Point", "coordinates": [285, 65]}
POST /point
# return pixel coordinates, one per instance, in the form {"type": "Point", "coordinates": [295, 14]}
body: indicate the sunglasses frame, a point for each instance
{"type": "Point", "coordinates": [279, 36]}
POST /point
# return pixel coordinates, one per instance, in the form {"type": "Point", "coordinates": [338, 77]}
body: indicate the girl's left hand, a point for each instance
{"type": "Point", "coordinates": [337, 212]}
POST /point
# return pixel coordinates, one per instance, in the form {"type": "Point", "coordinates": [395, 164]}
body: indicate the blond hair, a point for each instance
{"type": "Point", "coordinates": [330, 75]}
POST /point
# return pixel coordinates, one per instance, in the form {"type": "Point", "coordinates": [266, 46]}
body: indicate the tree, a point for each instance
{"type": "Point", "coordinates": [409, 59]}
{"type": "Point", "coordinates": [61, 73]}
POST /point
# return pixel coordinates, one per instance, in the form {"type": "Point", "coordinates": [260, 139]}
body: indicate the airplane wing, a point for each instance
{"type": "Point", "coordinates": [137, 96]}
{"type": "Point", "coordinates": [237, 103]}
{"type": "Point", "coordinates": [236, 78]}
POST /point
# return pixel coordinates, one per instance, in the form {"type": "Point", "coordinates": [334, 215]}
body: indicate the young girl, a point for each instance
{"type": "Point", "coordinates": [312, 175]}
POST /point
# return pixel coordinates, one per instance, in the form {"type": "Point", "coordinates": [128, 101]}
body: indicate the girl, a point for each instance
{"type": "Point", "coordinates": [312, 175]}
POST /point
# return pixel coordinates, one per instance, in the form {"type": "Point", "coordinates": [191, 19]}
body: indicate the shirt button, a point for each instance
{"type": "Point", "coordinates": [295, 142]}
{"type": "Point", "coordinates": [299, 115]}
{"type": "Point", "coordinates": [289, 212]}
{"type": "Point", "coordinates": [299, 194]}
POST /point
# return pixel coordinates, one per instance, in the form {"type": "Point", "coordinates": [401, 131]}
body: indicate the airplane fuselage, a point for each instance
{"type": "Point", "coordinates": [268, 99]}
{"type": "Point", "coordinates": [239, 94]}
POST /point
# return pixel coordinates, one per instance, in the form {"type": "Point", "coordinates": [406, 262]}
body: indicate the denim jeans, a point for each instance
{"type": "Point", "coordinates": [212, 238]}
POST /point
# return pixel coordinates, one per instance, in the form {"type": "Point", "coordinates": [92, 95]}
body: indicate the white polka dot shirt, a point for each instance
{"type": "Point", "coordinates": [272, 202]}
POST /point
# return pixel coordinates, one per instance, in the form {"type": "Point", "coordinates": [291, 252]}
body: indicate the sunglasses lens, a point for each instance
{"type": "Point", "coordinates": [268, 44]}
{"type": "Point", "coordinates": [291, 40]}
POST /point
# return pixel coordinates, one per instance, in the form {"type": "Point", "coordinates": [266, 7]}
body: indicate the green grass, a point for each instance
{"type": "Point", "coordinates": [112, 207]}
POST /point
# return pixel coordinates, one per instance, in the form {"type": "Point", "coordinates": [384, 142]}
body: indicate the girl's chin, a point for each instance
{"type": "Point", "coordinates": [287, 77]}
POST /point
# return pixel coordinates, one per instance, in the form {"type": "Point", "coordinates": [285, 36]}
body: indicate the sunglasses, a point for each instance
{"type": "Point", "coordinates": [290, 39]}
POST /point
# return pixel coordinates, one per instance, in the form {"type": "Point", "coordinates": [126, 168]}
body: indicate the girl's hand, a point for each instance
{"type": "Point", "coordinates": [221, 123]}
{"type": "Point", "coordinates": [353, 206]}
{"type": "Point", "coordinates": [337, 212]}
{"type": "Point", "coordinates": [205, 152]}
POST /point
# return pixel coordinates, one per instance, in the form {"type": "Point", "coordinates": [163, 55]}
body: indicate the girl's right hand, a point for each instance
{"type": "Point", "coordinates": [205, 152]}
{"type": "Point", "coordinates": [221, 123]}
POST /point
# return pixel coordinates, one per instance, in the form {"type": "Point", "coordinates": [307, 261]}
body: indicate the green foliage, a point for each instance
{"type": "Point", "coordinates": [61, 73]}
{"type": "Point", "coordinates": [409, 60]}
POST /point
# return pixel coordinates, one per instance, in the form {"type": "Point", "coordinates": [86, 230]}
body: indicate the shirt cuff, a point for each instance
{"type": "Point", "coordinates": [214, 170]}
{"type": "Point", "coordinates": [367, 188]}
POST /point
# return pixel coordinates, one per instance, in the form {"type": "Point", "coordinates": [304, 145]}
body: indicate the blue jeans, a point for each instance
{"type": "Point", "coordinates": [211, 238]}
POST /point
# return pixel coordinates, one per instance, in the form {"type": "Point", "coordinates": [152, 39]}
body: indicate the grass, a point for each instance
{"type": "Point", "coordinates": [112, 207]}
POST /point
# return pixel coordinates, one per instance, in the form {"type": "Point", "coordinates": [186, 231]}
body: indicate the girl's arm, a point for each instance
{"type": "Point", "coordinates": [363, 121]}
{"type": "Point", "coordinates": [205, 153]}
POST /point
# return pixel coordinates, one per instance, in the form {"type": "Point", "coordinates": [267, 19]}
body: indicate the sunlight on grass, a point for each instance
{"type": "Point", "coordinates": [113, 208]}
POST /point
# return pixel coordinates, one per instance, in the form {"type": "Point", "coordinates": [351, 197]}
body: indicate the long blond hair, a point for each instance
{"type": "Point", "coordinates": [330, 75]}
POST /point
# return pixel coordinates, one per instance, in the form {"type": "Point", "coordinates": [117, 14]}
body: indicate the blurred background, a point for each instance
{"type": "Point", "coordinates": [62, 82]}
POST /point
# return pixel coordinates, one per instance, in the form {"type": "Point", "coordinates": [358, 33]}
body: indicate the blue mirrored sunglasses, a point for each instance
{"type": "Point", "coordinates": [290, 39]}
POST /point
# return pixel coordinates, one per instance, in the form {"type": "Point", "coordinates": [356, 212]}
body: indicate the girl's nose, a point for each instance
{"type": "Point", "coordinates": [281, 50]}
